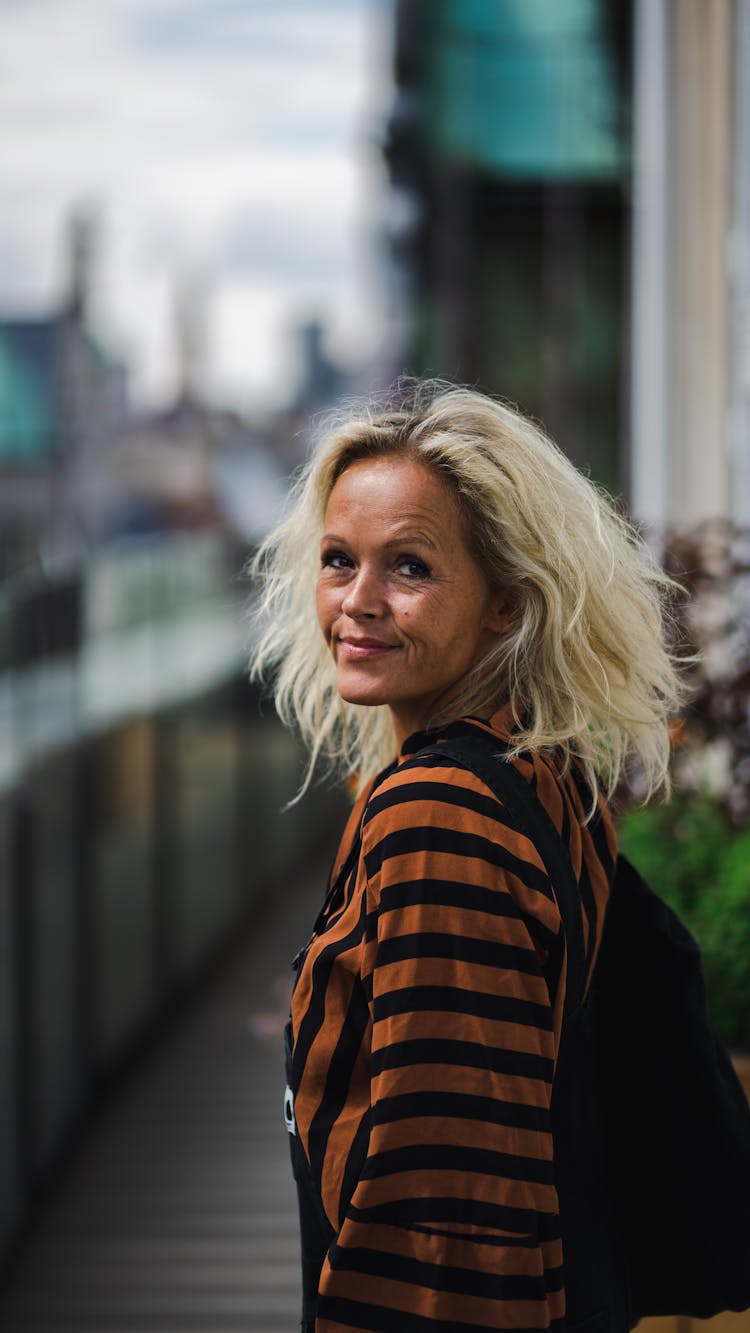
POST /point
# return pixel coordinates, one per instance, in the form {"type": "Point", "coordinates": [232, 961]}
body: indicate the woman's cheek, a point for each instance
{"type": "Point", "coordinates": [325, 610]}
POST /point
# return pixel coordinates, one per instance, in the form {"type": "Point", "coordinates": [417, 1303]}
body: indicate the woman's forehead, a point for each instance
{"type": "Point", "coordinates": [395, 500]}
{"type": "Point", "coordinates": [394, 476]}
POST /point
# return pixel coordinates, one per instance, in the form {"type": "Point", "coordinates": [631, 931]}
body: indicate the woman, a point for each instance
{"type": "Point", "coordinates": [470, 584]}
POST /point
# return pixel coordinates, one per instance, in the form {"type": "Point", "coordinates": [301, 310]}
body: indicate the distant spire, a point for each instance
{"type": "Point", "coordinates": [82, 246]}
{"type": "Point", "coordinates": [190, 337]}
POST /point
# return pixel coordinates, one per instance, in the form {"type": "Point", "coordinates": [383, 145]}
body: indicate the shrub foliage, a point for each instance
{"type": "Point", "coordinates": [695, 849]}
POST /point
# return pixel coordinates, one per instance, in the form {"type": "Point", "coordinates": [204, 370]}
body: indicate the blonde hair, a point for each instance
{"type": "Point", "coordinates": [585, 663]}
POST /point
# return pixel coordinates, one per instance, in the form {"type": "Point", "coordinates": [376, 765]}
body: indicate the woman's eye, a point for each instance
{"type": "Point", "coordinates": [335, 560]}
{"type": "Point", "coordinates": [413, 568]}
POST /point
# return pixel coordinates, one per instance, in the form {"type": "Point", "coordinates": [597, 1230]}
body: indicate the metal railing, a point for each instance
{"type": "Point", "coordinates": [139, 792]}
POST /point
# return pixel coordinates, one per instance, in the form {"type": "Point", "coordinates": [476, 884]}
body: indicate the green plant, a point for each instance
{"type": "Point", "coordinates": [700, 865]}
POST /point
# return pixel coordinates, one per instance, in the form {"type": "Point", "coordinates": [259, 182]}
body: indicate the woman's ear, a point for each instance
{"type": "Point", "coordinates": [501, 614]}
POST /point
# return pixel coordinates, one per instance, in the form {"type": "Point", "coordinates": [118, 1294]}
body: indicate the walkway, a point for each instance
{"type": "Point", "coordinates": [181, 1215]}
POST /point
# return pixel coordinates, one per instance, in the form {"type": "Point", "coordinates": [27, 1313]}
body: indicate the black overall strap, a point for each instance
{"type": "Point", "coordinates": [484, 755]}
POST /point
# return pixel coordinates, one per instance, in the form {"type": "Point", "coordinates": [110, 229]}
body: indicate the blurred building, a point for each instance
{"type": "Point", "coordinates": [691, 262]}
{"type": "Point", "coordinates": [194, 466]}
{"type": "Point", "coordinates": [509, 157]}
{"type": "Point", "coordinates": [322, 380]}
{"type": "Point", "coordinates": [321, 384]}
{"type": "Point", "coordinates": [62, 395]}
{"type": "Point", "coordinates": [569, 223]}
{"type": "Point", "coordinates": [81, 467]}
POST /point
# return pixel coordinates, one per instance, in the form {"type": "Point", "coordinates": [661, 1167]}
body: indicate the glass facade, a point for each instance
{"type": "Point", "coordinates": [524, 89]}
{"type": "Point", "coordinates": [511, 128]}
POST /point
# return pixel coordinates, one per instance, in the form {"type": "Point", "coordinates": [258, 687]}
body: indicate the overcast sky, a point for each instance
{"type": "Point", "coordinates": [224, 142]}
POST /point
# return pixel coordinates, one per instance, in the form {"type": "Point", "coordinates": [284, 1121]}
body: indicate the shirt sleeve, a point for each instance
{"type": "Point", "coordinates": [453, 1222]}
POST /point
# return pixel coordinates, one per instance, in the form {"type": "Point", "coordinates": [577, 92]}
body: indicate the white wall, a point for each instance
{"type": "Point", "coordinates": [683, 168]}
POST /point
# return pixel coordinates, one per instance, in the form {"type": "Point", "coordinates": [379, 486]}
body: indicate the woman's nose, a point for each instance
{"type": "Point", "coordinates": [364, 595]}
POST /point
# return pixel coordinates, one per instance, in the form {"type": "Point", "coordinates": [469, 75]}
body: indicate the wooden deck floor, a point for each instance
{"type": "Point", "coordinates": [180, 1216]}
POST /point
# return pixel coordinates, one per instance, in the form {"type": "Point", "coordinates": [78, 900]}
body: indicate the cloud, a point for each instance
{"type": "Point", "coordinates": [55, 75]}
{"type": "Point", "coordinates": [296, 28]}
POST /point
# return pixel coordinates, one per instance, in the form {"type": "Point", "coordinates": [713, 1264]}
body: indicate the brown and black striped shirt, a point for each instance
{"type": "Point", "coordinates": [426, 1022]}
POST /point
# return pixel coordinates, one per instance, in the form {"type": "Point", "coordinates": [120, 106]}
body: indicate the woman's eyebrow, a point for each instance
{"type": "Point", "coordinates": [408, 538]}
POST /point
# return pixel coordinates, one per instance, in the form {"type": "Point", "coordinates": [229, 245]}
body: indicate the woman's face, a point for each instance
{"type": "Point", "coordinates": [404, 608]}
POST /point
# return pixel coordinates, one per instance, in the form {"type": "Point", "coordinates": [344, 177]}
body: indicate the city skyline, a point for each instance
{"type": "Point", "coordinates": [224, 146]}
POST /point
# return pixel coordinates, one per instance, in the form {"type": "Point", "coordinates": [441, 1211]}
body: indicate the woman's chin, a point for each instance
{"type": "Point", "coordinates": [365, 697]}
{"type": "Point", "coordinates": [355, 687]}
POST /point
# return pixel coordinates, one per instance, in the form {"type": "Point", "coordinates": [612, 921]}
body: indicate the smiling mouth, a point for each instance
{"type": "Point", "coordinates": [360, 649]}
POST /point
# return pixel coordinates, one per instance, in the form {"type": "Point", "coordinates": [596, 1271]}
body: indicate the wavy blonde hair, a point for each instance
{"type": "Point", "coordinates": [585, 663]}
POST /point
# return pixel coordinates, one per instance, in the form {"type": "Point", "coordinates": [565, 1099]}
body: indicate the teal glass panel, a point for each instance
{"type": "Point", "coordinates": [524, 88]}
{"type": "Point", "coordinates": [26, 417]}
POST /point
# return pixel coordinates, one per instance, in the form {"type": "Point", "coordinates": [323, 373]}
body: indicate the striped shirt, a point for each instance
{"type": "Point", "coordinates": [426, 1021]}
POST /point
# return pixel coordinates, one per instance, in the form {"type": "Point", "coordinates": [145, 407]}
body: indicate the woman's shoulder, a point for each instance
{"type": "Point", "coordinates": [429, 789]}
{"type": "Point", "coordinates": [434, 789]}
{"type": "Point", "coordinates": [433, 821]}
{"type": "Point", "coordinates": [432, 768]}
{"type": "Point", "coordinates": [430, 804]}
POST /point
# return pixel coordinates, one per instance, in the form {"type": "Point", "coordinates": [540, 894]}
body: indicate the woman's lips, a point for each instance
{"type": "Point", "coordinates": [359, 650]}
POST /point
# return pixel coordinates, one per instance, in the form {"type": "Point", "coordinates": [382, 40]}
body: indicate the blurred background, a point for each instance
{"type": "Point", "coordinates": [218, 218]}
